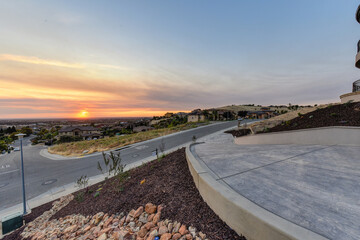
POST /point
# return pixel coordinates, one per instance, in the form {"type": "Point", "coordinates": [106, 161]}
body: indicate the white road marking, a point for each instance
{"type": "Point", "coordinates": [4, 166]}
{"type": "Point", "coordinates": [9, 172]}
{"type": "Point", "coordinates": [141, 147]}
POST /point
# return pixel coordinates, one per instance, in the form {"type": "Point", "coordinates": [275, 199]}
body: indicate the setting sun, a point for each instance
{"type": "Point", "coordinates": [83, 114]}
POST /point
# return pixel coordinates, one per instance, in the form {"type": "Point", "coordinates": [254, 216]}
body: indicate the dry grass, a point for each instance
{"type": "Point", "coordinates": [104, 144]}
{"type": "Point", "coordinates": [271, 122]}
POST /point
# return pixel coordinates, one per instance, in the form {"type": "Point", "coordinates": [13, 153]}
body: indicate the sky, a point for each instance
{"type": "Point", "coordinates": [85, 58]}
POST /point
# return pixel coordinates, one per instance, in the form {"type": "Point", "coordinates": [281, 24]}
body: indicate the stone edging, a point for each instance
{"type": "Point", "coordinates": [239, 213]}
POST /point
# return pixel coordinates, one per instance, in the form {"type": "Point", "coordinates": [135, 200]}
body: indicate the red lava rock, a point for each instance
{"type": "Point", "coordinates": [183, 230]}
{"type": "Point", "coordinates": [142, 232]}
{"type": "Point", "coordinates": [138, 212]}
{"type": "Point", "coordinates": [156, 218]}
{"type": "Point", "coordinates": [150, 208]}
{"type": "Point", "coordinates": [166, 236]}
{"type": "Point", "coordinates": [188, 237]}
{"type": "Point", "coordinates": [149, 225]}
{"type": "Point", "coordinates": [150, 217]}
{"type": "Point", "coordinates": [176, 236]}
{"type": "Point", "coordinates": [163, 230]}
{"type": "Point", "coordinates": [108, 222]}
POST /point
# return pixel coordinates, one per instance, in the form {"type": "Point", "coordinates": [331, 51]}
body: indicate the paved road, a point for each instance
{"type": "Point", "coordinates": [43, 174]}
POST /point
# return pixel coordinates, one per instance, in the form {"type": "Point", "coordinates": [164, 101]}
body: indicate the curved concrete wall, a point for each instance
{"type": "Point", "coordinates": [349, 136]}
{"type": "Point", "coordinates": [243, 216]}
{"type": "Point", "coordinates": [354, 96]}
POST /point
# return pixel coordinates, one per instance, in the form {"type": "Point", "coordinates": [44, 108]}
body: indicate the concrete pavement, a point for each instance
{"type": "Point", "coordinates": [43, 175]}
{"type": "Point", "coordinates": [315, 187]}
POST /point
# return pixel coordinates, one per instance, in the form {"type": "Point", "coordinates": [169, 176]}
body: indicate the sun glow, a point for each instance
{"type": "Point", "coordinates": [83, 114]}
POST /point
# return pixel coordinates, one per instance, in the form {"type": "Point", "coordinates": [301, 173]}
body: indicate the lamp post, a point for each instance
{"type": "Point", "coordinates": [20, 136]}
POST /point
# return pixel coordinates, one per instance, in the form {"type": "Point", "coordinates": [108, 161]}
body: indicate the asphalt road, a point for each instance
{"type": "Point", "coordinates": [43, 174]}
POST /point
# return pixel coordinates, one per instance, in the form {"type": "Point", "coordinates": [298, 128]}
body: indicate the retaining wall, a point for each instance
{"type": "Point", "coordinates": [349, 136]}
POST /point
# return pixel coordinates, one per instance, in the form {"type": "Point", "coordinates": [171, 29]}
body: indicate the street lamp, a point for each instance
{"type": "Point", "coordinates": [20, 136]}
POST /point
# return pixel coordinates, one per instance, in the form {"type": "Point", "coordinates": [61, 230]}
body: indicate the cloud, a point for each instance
{"type": "Point", "coordinates": [50, 62]}
{"type": "Point", "coordinates": [36, 60]}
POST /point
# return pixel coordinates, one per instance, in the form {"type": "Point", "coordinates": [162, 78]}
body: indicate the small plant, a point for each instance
{"type": "Point", "coordinates": [194, 139]}
{"type": "Point", "coordinates": [113, 167]}
{"type": "Point", "coordinates": [333, 114]}
{"type": "Point", "coordinates": [162, 146]}
{"type": "Point", "coordinates": [288, 123]}
{"type": "Point", "coordinates": [299, 114]}
{"type": "Point", "coordinates": [96, 194]}
{"type": "Point", "coordinates": [112, 163]}
{"type": "Point", "coordinates": [311, 116]}
{"type": "Point", "coordinates": [80, 197]}
{"type": "Point", "coordinates": [82, 182]}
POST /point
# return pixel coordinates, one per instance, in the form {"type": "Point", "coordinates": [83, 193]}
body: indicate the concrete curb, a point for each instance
{"type": "Point", "coordinates": [239, 213]}
{"type": "Point", "coordinates": [45, 153]}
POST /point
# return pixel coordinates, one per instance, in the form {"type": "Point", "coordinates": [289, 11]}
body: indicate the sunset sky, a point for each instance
{"type": "Point", "coordinates": [144, 58]}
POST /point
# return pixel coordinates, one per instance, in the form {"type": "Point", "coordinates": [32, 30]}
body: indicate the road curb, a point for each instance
{"type": "Point", "coordinates": [56, 157]}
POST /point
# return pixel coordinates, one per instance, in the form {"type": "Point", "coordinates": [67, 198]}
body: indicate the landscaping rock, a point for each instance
{"type": "Point", "coordinates": [102, 226]}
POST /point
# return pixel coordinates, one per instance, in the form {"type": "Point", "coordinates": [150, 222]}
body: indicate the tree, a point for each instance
{"type": "Point", "coordinates": [3, 146]}
{"type": "Point", "coordinates": [242, 114]}
{"type": "Point", "coordinates": [10, 130]}
{"type": "Point", "coordinates": [26, 130]}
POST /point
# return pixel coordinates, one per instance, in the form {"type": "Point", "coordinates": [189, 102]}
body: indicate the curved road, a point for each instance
{"type": "Point", "coordinates": [43, 174]}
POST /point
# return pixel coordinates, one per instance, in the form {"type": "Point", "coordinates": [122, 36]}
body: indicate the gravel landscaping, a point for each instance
{"type": "Point", "coordinates": [166, 182]}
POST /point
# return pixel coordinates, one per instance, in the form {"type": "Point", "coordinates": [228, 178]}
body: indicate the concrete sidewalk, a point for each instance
{"type": "Point", "coordinates": [315, 187]}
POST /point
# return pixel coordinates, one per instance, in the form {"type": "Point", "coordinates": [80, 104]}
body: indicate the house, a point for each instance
{"type": "Point", "coordinates": [142, 129]}
{"type": "Point", "coordinates": [181, 114]}
{"type": "Point", "coordinates": [86, 132]}
{"type": "Point", "coordinates": [261, 114]}
{"type": "Point", "coordinates": [196, 118]}
{"type": "Point", "coordinates": [154, 122]}
{"type": "Point", "coordinates": [168, 115]}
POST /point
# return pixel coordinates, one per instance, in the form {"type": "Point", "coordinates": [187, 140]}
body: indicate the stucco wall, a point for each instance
{"type": "Point", "coordinates": [354, 96]}
{"type": "Point", "coordinates": [318, 136]}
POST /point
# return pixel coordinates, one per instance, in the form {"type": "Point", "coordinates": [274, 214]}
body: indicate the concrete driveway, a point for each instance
{"type": "Point", "coordinates": [316, 187]}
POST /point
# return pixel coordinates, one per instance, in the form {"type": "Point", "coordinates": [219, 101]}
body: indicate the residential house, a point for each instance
{"type": "Point", "coordinates": [142, 129]}
{"type": "Point", "coordinates": [261, 114]}
{"type": "Point", "coordinates": [181, 114]}
{"type": "Point", "coordinates": [196, 118]}
{"type": "Point", "coordinates": [168, 115]}
{"type": "Point", "coordinates": [86, 132]}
